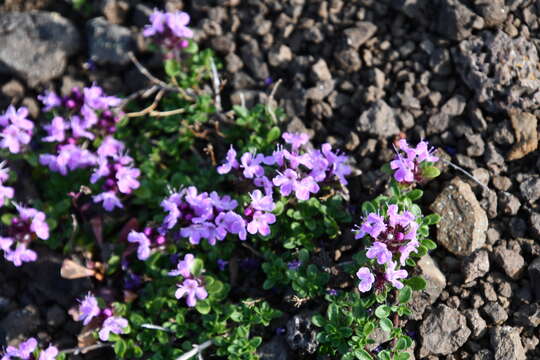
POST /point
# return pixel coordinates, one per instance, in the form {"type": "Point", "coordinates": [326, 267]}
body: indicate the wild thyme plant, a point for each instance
{"type": "Point", "coordinates": [197, 222]}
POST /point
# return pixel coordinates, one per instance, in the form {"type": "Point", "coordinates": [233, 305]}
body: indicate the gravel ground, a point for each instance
{"type": "Point", "coordinates": [360, 73]}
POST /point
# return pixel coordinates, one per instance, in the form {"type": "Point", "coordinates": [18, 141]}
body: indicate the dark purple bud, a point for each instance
{"type": "Point", "coordinates": [280, 331]}
{"type": "Point", "coordinates": [148, 231]}
{"type": "Point", "coordinates": [222, 264]}
{"type": "Point", "coordinates": [107, 312]}
{"type": "Point", "coordinates": [248, 211]}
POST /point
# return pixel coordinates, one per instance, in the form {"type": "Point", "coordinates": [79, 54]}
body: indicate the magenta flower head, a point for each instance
{"type": "Point", "coordinates": [408, 164]}
{"type": "Point", "coordinates": [295, 139]}
{"type": "Point", "coordinates": [184, 266]}
{"type": "Point", "coordinates": [192, 290]}
{"type": "Point", "coordinates": [261, 223]}
{"type": "Point", "coordinates": [379, 251]}
{"type": "Point", "coordinates": [230, 162]}
{"type": "Point", "coordinates": [372, 225]}
{"type": "Point", "coordinates": [393, 276]}
{"type": "Point", "coordinates": [251, 165]}
{"type": "Point", "coordinates": [109, 199]}
{"type": "Point", "coordinates": [261, 202]}
{"type": "Point", "coordinates": [366, 279]}
{"type": "Point", "coordinates": [24, 351]}
{"type": "Point", "coordinates": [143, 250]}
{"type": "Point", "coordinates": [50, 100]}
{"type": "Point", "coordinates": [56, 130]}
{"type": "Point", "coordinates": [304, 187]}
{"type": "Point", "coordinates": [20, 255]}
{"type": "Point", "coordinates": [36, 219]}
{"type": "Point", "coordinates": [286, 181]}
{"type": "Point", "coordinates": [88, 309]}
{"type": "Point", "coordinates": [127, 179]}
{"type": "Point", "coordinates": [49, 354]}
{"type": "Point", "coordinates": [113, 324]}
{"type": "Point", "coordinates": [231, 222]}
{"type": "Point", "coordinates": [169, 29]}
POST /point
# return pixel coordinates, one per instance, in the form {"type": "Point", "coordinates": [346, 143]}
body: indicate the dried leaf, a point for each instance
{"type": "Point", "coordinates": [71, 270]}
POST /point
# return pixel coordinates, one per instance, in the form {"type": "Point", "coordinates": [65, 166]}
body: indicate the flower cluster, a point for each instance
{"type": "Point", "coordinates": [297, 170]}
{"type": "Point", "coordinates": [169, 29]}
{"type": "Point", "coordinates": [80, 117]}
{"type": "Point", "coordinates": [145, 240]}
{"type": "Point", "coordinates": [202, 216]}
{"type": "Point", "coordinates": [28, 225]}
{"type": "Point", "coordinates": [392, 236]}
{"type": "Point", "coordinates": [26, 349]}
{"type": "Point", "coordinates": [90, 310]}
{"type": "Point", "coordinates": [16, 129]}
{"type": "Point", "coordinates": [408, 162]}
{"type": "Point", "coordinates": [192, 286]}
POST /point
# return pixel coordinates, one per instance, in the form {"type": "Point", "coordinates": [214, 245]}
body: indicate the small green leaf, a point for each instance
{"type": "Point", "coordinates": [401, 344]}
{"type": "Point", "coordinates": [172, 68]}
{"type": "Point", "coordinates": [197, 267]}
{"type": "Point", "coordinates": [416, 283]}
{"type": "Point", "coordinates": [368, 207]}
{"type": "Point", "coordinates": [431, 172]}
{"type": "Point", "coordinates": [382, 311]}
{"type": "Point", "coordinates": [273, 135]}
{"type": "Point", "coordinates": [405, 294]}
{"type": "Point", "coordinates": [363, 355]}
{"type": "Point", "coordinates": [318, 320]}
{"type": "Point", "coordinates": [432, 219]}
{"type": "Point", "coordinates": [403, 356]}
{"type": "Point", "coordinates": [333, 312]}
{"type": "Point", "coordinates": [384, 355]}
{"type": "Point", "coordinates": [415, 194]}
{"type": "Point", "coordinates": [386, 325]}
{"type": "Point", "coordinates": [203, 306]}
{"type": "Point", "coordinates": [429, 244]}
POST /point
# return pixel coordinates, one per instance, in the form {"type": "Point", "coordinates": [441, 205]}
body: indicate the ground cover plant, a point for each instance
{"type": "Point", "coordinates": [196, 222]}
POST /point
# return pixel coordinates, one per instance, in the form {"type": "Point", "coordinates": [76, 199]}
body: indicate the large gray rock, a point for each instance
{"type": "Point", "coordinates": [436, 282]}
{"type": "Point", "coordinates": [20, 324]}
{"type": "Point", "coordinates": [502, 71]}
{"type": "Point", "coordinates": [109, 43]}
{"type": "Point", "coordinates": [302, 334]}
{"type": "Point", "coordinates": [35, 45]}
{"type": "Point", "coordinates": [506, 342]}
{"type": "Point", "coordinates": [378, 120]}
{"type": "Point", "coordinates": [443, 331]}
{"type": "Point", "coordinates": [464, 223]}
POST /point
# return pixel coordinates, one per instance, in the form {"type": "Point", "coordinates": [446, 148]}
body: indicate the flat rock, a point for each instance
{"type": "Point", "coordinates": [109, 43]}
{"type": "Point", "coordinates": [476, 322]}
{"type": "Point", "coordinates": [476, 265]}
{"type": "Point", "coordinates": [443, 331]}
{"type": "Point", "coordinates": [506, 342]}
{"type": "Point", "coordinates": [36, 45]}
{"type": "Point", "coordinates": [455, 21]}
{"type": "Point", "coordinates": [436, 282]}
{"type": "Point", "coordinates": [464, 223]}
{"type": "Point", "coordinates": [358, 35]}
{"type": "Point", "coordinates": [378, 120]}
{"type": "Point", "coordinates": [511, 261]}
{"type": "Point", "coordinates": [530, 188]}
{"type": "Point", "coordinates": [524, 125]}
{"type": "Point", "coordinates": [495, 313]}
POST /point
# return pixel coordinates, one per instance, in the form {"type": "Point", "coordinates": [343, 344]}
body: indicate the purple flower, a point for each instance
{"type": "Point", "coordinates": [184, 266]}
{"type": "Point", "coordinates": [56, 130]}
{"type": "Point", "coordinates": [113, 324]}
{"type": "Point", "coordinates": [49, 354]}
{"type": "Point", "coordinates": [109, 200]}
{"type": "Point", "coordinates": [394, 219]}
{"type": "Point", "coordinates": [294, 265]}
{"type": "Point", "coordinates": [224, 203]}
{"type": "Point", "coordinates": [405, 169]}
{"type": "Point", "coordinates": [50, 100]}
{"type": "Point", "coordinates": [196, 232]}
{"type": "Point", "coordinates": [406, 251]}
{"type": "Point", "coordinates": [230, 162]}
{"type": "Point", "coordinates": [171, 206]}
{"type": "Point", "coordinates": [127, 179]}
{"type": "Point", "coordinates": [6, 192]}
{"type": "Point", "coordinates": [13, 138]}
{"type": "Point", "coordinates": [392, 275]}
{"type": "Point", "coordinates": [177, 22]}
{"type": "Point", "coordinates": [20, 255]}
{"type": "Point", "coordinates": [110, 147]}
{"type": "Point", "coordinates": [143, 250]}
{"type": "Point", "coordinates": [304, 187]}
{"type": "Point", "coordinates": [295, 139]}
{"type": "Point", "coordinates": [366, 279]}
{"type": "Point", "coordinates": [261, 223]}
{"type": "Point", "coordinates": [96, 99]}
{"type": "Point", "coordinates": [70, 157]}
{"type": "Point", "coordinates": [5, 243]}
{"type": "Point", "coordinates": [201, 204]}
{"type": "Point", "coordinates": [380, 251]}
{"type": "Point", "coordinates": [24, 351]}
{"type": "Point", "coordinates": [260, 202]}
{"type": "Point", "coordinates": [17, 118]}
{"type": "Point", "coordinates": [36, 218]}
{"type": "Point", "coordinates": [408, 167]}
{"type": "Point", "coordinates": [231, 222]}
{"type": "Point", "coordinates": [265, 183]}
{"type": "Point", "coordinates": [221, 264]}
{"type": "Point", "coordinates": [286, 181]}
{"type": "Point", "coordinates": [157, 26]}
{"type": "Point", "coordinates": [89, 309]}
{"type": "Point", "coordinates": [373, 225]}
{"type": "Point", "coordinates": [101, 170]}
{"type": "Point", "coordinates": [192, 290]}
{"type": "Point", "coordinates": [251, 165]}
{"type": "Point", "coordinates": [79, 127]}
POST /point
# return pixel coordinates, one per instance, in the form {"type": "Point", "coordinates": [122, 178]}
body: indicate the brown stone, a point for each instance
{"type": "Point", "coordinates": [524, 125]}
